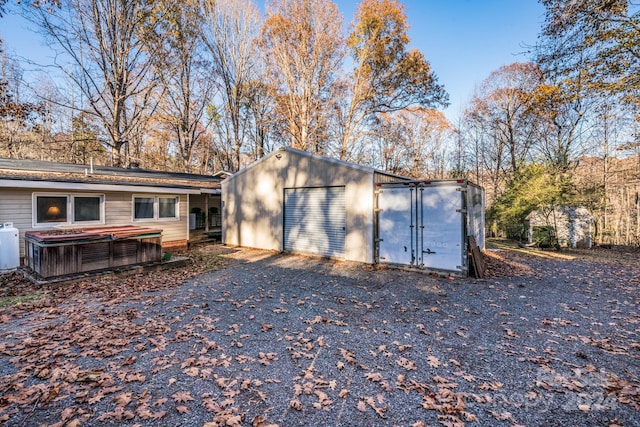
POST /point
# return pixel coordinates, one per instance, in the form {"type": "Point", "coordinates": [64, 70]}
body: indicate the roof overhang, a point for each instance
{"type": "Point", "coordinates": [210, 191]}
{"type": "Point", "coordinates": [86, 186]}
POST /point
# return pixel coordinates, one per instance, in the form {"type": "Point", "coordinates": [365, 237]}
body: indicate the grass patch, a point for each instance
{"type": "Point", "coordinates": [511, 245]}
{"type": "Point", "coordinates": [10, 301]}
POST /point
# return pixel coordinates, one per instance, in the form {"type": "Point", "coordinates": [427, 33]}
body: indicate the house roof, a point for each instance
{"type": "Point", "coordinates": [326, 159]}
{"type": "Point", "coordinates": [35, 174]}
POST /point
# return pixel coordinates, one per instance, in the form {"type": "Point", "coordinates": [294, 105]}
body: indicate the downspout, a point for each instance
{"type": "Point", "coordinates": [187, 221]}
{"type": "Point", "coordinates": [206, 212]}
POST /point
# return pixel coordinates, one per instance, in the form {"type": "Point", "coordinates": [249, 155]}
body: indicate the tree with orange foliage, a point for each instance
{"type": "Point", "coordinates": [304, 48]}
{"type": "Point", "coordinates": [386, 77]}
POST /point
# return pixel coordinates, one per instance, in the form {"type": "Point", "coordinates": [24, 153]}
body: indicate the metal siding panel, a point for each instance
{"type": "Point", "coordinates": [315, 221]}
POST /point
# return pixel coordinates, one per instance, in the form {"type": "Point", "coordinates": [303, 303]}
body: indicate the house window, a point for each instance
{"type": "Point", "coordinates": [156, 208]}
{"type": "Point", "coordinates": [167, 207]}
{"type": "Point", "coordinates": [143, 208]}
{"type": "Point", "coordinates": [65, 209]}
{"type": "Point", "coordinates": [86, 208]}
{"type": "Point", "coordinates": [51, 209]}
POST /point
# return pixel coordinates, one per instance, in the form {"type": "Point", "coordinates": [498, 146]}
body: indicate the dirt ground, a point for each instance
{"type": "Point", "coordinates": [254, 338]}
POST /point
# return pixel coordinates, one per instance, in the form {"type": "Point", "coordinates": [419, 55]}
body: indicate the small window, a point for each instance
{"type": "Point", "coordinates": [86, 208]}
{"type": "Point", "coordinates": [156, 208]}
{"type": "Point", "coordinates": [143, 208]}
{"type": "Point", "coordinates": [167, 207]}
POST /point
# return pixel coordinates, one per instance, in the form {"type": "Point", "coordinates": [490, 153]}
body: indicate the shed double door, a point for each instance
{"type": "Point", "coordinates": [315, 221]}
{"type": "Point", "coordinates": [422, 226]}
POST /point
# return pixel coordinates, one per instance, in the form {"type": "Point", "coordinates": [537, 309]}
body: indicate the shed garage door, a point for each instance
{"type": "Point", "coordinates": [315, 221]}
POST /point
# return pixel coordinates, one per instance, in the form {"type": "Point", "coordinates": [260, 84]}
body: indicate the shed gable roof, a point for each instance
{"type": "Point", "coordinates": [328, 160]}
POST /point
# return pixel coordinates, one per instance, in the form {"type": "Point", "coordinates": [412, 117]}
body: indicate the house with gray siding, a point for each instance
{"type": "Point", "coordinates": [36, 195]}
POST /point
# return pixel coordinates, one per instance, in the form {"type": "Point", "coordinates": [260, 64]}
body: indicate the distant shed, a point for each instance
{"type": "Point", "coordinates": [572, 226]}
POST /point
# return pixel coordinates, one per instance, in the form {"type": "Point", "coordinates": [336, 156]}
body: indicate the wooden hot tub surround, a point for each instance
{"type": "Point", "coordinates": [61, 252]}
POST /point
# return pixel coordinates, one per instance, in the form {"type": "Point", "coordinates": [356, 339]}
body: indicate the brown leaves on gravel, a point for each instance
{"type": "Point", "coordinates": [120, 351]}
{"type": "Point", "coordinates": [500, 265]}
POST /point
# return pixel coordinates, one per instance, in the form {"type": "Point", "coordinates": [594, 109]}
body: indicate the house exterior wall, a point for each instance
{"type": "Point", "coordinates": [253, 201]}
{"type": "Point", "coordinates": [16, 207]}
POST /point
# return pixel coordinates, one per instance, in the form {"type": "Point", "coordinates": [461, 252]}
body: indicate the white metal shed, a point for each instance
{"type": "Point", "coordinates": [293, 200]}
{"type": "Point", "coordinates": [296, 201]}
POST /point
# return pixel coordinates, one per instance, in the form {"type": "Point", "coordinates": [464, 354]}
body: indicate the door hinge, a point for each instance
{"type": "Point", "coordinates": [461, 211]}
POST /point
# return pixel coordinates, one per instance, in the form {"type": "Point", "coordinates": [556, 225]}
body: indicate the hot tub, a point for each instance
{"type": "Point", "coordinates": [62, 252]}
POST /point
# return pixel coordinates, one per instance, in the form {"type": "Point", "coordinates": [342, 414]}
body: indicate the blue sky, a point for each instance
{"type": "Point", "coordinates": [464, 40]}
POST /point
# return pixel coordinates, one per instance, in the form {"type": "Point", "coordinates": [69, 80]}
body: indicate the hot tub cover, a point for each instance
{"type": "Point", "coordinates": [89, 234]}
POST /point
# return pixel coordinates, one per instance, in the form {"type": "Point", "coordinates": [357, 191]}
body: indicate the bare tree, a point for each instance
{"type": "Point", "coordinates": [412, 142]}
{"type": "Point", "coordinates": [387, 134]}
{"type": "Point", "coordinates": [182, 71]}
{"type": "Point", "coordinates": [304, 46]}
{"type": "Point", "coordinates": [105, 57]}
{"type": "Point", "coordinates": [19, 118]}
{"type": "Point", "coordinates": [505, 101]}
{"type": "Point", "coordinates": [260, 104]}
{"type": "Point", "coordinates": [48, 4]}
{"type": "Point", "coordinates": [230, 31]}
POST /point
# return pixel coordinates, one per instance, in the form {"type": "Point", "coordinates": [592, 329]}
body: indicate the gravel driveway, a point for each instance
{"type": "Point", "coordinates": [299, 341]}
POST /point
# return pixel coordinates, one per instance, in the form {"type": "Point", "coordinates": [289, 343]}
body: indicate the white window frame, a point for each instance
{"type": "Point", "coordinates": [156, 207]}
{"type": "Point", "coordinates": [70, 209]}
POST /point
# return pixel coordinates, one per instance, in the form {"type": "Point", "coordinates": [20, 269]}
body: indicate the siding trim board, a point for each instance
{"type": "Point", "coordinates": [82, 186]}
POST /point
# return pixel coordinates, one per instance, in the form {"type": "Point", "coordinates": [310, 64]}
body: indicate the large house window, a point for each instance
{"type": "Point", "coordinates": [156, 208]}
{"type": "Point", "coordinates": [67, 209]}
